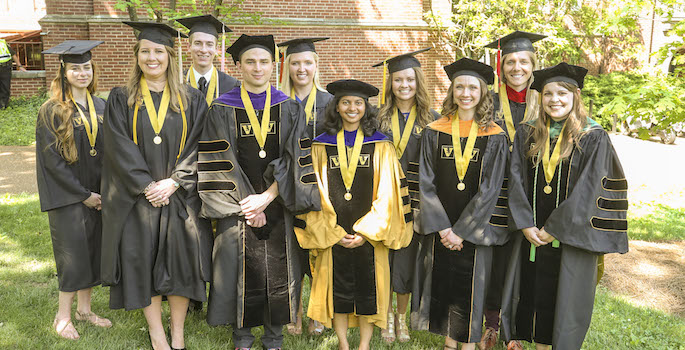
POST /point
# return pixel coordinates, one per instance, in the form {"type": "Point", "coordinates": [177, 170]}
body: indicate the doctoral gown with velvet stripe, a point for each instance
{"type": "Point", "coordinates": [450, 293]}
{"type": "Point", "coordinates": [255, 268]}
{"type": "Point", "coordinates": [355, 281]}
{"type": "Point", "coordinates": [75, 229]}
{"type": "Point", "coordinates": [550, 301]}
{"type": "Point", "coordinates": [148, 251]}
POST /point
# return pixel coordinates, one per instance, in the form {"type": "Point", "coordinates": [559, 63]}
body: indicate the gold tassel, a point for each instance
{"type": "Point", "coordinates": [385, 78]}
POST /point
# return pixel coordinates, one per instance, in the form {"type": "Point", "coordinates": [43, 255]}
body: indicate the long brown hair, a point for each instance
{"type": "Point", "coordinates": [576, 121]}
{"type": "Point", "coordinates": [483, 109]}
{"type": "Point", "coordinates": [172, 79]}
{"type": "Point", "coordinates": [57, 113]}
{"type": "Point", "coordinates": [532, 96]}
{"type": "Point", "coordinates": [422, 101]}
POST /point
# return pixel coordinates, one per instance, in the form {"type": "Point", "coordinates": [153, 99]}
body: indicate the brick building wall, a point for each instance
{"type": "Point", "coordinates": [362, 32]}
{"type": "Point", "coordinates": [28, 83]}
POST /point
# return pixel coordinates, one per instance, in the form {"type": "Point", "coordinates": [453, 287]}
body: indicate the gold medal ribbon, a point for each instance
{"type": "Point", "coordinates": [461, 160]}
{"type": "Point", "coordinates": [400, 142]}
{"type": "Point", "coordinates": [212, 89]}
{"type": "Point", "coordinates": [508, 119]}
{"type": "Point", "coordinates": [311, 100]}
{"type": "Point", "coordinates": [92, 125]}
{"type": "Point", "coordinates": [156, 117]}
{"type": "Point", "coordinates": [347, 170]}
{"type": "Point", "coordinates": [260, 132]}
{"type": "Point", "coordinates": [548, 164]}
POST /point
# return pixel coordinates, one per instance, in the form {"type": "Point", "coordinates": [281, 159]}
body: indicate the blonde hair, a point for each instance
{"type": "Point", "coordinates": [576, 121]}
{"type": "Point", "coordinates": [532, 96]}
{"type": "Point", "coordinates": [173, 73]}
{"type": "Point", "coordinates": [422, 101]}
{"type": "Point", "coordinates": [286, 80]}
{"type": "Point", "coordinates": [57, 113]}
{"type": "Point", "coordinates": [483, 109]}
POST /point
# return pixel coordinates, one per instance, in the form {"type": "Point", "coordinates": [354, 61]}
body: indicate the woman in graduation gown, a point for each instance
{"type": "Point", "coordinates": [152, 244]}
{"type": "Point", "coordinates": [404, 113]}
{"type": "Point", "coordinates": [567, 193]}
{"type": "Point", "coordinates": [68, 164]}
{"type": "Point", "coordinates": [458, 191]}
{"type": "Point", "coordinates": [301, 80]}
{"type": "Point", "coordinates": [365, 212]}
{"type": "Point", "coordinates": [514, 103]}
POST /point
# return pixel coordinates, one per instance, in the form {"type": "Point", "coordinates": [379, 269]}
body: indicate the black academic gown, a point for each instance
{"type": "Point", "coordinates": [314, 127]}
{"type": "Point", "coordinates": [76, 230]}
{"type": "Point", "coordinates": [403, 261]}
{"type": "Point", "coordinates": [254, 269]}
{"type": "Point", "coordinates": [450, 295]}
{"type": "Point", "coordinates": [226, 82]}
{"type": "Point", "coordinates": [150, 251]}
{"type": "Point", "coordinates": [550, 301]}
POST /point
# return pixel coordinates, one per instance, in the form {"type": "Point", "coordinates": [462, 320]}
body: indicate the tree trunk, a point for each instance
{"type": "Point", "coordinates": [217, 5]}
{"type": "Point", "coordinates": [132, 13]}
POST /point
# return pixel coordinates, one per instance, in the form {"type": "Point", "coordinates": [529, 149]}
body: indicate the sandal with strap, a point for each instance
{"type": "Point", "coordinates": [447, 347]}
{"type": "Point", "coordinates": [315, 327]}
{"type": "Point", "coordinates": [66, 331]}
{"type": "Point", "coordinates": [295, 328]}
{"type": "Point", "coordinates": [514, 345]}
{"type": "Point", "coordinates": [489, 339]}
{"type": "Point", "coordinates": [402, 330]}
{"type": "Point", "coordinates": [388, 334]}
{"type": "Point", "coordinates": [93, 319]}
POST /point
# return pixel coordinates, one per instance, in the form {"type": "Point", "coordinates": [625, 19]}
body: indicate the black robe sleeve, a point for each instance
{"type": "Point", "coordinates": [593, 216]}
{"type": "Point", "coordinates": [430, 204]}
{"type": "Point", "coordinates": [185, 172]}
{"type": "Point", "coordinates": [226, 82]}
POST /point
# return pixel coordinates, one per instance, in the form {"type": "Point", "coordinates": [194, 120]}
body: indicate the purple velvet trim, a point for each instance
{"type": "Point", "coordinates": [232, 98]}
{"type": "Point", "coordinates": [349, 138]}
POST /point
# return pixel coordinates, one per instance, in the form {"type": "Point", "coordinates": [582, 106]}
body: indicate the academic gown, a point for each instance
{"type": "Point", "coordinates": [403, 261]}
{"type": "Point", "coordinates": [355, 281]}
{"type": "Point", "coordinates": [150, 251]}
{"type": "Point", "coordinates": [226, 82]}
{"type": "Point", "coordinates": [255, 268]}
{"type": "Point", "coordinates": [550, 301]}
{"type": "Point", "coordinates": [314, 126]}
{"type": "Point", "coordinates": [450, 295]}
{"type": "Point", "coordinates": [76, 230]}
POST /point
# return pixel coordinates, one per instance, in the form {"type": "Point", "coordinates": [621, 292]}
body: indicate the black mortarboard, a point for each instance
{"type": "Point", "coordinates": [204, 24]}
{"type": "Point", "coordinates": [159, 33]}
{"type": "Point", "coordinates": [403, 61]}
{"type": "Point", "coordinates": [351, 87]}
{"type": "Point", "coordinates": [300, 45]}
{"type": "Point", "coordinates": [515, 42]}
{"type": "Point", "coordinates": [74, 51]}
{"type": "Point", "coordinates": [467, 66]}
{"type": "Point", "coordinates": [246, 42]}
{"type": "Point", "coordinates": [561, 72]}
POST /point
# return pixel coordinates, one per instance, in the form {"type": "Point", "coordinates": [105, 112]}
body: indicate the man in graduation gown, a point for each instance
{"type": "Point", "coordinates": [203, 38]}
{"type": "Point", "coordinates": [255, 172]}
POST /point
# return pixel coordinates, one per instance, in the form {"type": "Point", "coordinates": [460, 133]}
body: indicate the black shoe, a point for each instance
{"type": "Point", "coordinates": [195, 306]}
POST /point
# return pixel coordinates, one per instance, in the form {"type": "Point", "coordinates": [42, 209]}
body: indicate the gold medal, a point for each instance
{"type": "Point", "coordinates": [547, 189]}
{"type": "Point", "coordinates": [93, 152]}
{"type": "Point", "coordinates": [461, 160]}
{"type": "Point", "coordinates": [461, 186]}
{"type": "Point", "coordinates": [348, 196]}
{"type": "Point", "coordinates": [348, 169]}
{"type": "Point", "coordinates": [157, 140]}
{"type": "Point", "coordinates": [262, 154]}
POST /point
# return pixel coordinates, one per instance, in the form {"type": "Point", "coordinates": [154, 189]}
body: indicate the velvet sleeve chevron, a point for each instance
{"type": "Point", "coordinates": [593, 217]}
{"type": "Point", "coordinates": [221, 181]}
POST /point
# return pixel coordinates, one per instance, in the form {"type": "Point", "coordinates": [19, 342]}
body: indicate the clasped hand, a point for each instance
{"type": "Point", "coordinates": [158, 195]}
{"type": "Point", "coordinates": [352, 241]}
{"type": "Point", "coordinates": [94, 201]}
{"type": "Point", "coordinates": [538, 237]}
{"type": "Point", "coordinates": [450, 240]}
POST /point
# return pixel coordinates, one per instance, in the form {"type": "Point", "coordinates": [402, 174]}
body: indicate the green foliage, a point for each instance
{"type": "Point", "coordinates": [605, 88]}
{"type": "Point", "coordinates": [185, 8]}
{"type": "Point", "coordinates": [18, 120]}
{"type": "Point", "coordinates": [676, 48]}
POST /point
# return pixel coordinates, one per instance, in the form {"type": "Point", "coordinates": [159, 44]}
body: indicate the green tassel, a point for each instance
{"type": "Point", "coordinates": [555, 243]}
{"type": "Point", "coordinates": [532, 252]}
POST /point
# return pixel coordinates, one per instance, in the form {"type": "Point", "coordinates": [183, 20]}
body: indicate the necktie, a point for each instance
{"type": "Point", "coordinates": [202, 85]}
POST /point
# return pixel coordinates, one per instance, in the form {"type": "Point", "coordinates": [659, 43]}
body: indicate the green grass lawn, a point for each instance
{"type": "Point", "coordinates": [18, 121]}
{"type": "Point", "coordinates": [28, 297]}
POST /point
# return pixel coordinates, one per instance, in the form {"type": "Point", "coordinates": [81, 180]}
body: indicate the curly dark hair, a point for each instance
{"type": "Point", "coordinates": [333, 121]}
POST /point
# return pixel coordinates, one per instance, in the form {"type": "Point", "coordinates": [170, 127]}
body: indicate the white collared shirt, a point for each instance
{"type": "Point", "coordinates": [207, 76]}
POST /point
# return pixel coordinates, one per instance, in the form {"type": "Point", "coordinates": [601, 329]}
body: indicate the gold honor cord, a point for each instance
{"type": "Point", "coordinates": [260, 132]}
{"type": "Point", "coordinates": [401, 141]}
{"type": "Point", "coordinates": [506, 109]}
{"type": "Point", "coordinates": [156, 117]}
{"type": "Point", "coordinates": [461, 160]}
{"type": "Point", "coordinates": [311, 100]}
{"type": "Point", "coordinates": [347, 170]}
{"type": "Point", "coordinates": [549, 165]}
{"type": "Point", "coordinates": [381, 100]}
{"type": "Point", "coordinates": [92, 126]}
{"type": "Point", "coordinates": [212, 89]}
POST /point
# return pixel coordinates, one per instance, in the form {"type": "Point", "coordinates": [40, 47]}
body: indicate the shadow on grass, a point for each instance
{"type": "Point", "coordinates": [665, 224]}
{"type": "Point", "coordinates": [25, 227]}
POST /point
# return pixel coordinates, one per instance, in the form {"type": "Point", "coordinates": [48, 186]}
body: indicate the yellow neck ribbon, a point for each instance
{"type": "Point", "coordinates": [401, 141]}
{"type": "Point", "coordinates": [550, 164]}
{"type": "Point", "coordinates": [504, 102]}
{"type": "Point", "coordinates": [260, 131]}
{"type": "Point", "coordinates": [381, 100]}
{"type": "Point", "coordinates": [212, 89]}
{"type": "Point", "coordinates": [461, 160]}
{"type": "Point", "coordinates": [347, 170]}
{"type": "Point", "coordinates": [156, 117]}
{"type": "Point", "coordinates": [92, 125]}
{"type": "Point", "coordinates": [311, 102]}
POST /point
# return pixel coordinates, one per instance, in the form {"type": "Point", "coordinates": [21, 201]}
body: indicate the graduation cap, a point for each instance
{"type": "Point", "coordinates": [74, 51]}
{"type": "Point", "coordinates": [158, 33]}
{"type": "Point", "coordinates": [351, 87]}
{"type": "Point", "coordinates": [561, 72]}
{"type": "Point", "coordinates": [300, 45]}
{"type": "Point", "coordinates": [204, 24]}
{"type": "Point", "coordinates": [246, 42]}
{"type": "Point", "coordinates": [396, 64]}
{"type": "Point", "coordinates": [515, 42]}
{"type": "Point", "coordinates": [467, 66]}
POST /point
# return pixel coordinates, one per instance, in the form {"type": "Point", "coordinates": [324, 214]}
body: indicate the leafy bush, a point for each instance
{"type": "Point", "coordinates": [603, 89]}
{"type": "Point", "coordinates": [18, 120]}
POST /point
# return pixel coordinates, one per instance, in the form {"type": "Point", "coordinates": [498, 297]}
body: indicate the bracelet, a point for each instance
{"type": "Point", "coordinates": [147, 188]}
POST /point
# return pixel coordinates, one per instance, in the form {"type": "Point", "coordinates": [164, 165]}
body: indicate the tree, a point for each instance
{"type": "Point", "coordinates": [182, 8]}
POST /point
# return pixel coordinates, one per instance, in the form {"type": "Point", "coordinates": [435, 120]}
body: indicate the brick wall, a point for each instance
{"type": "Point", "coordinates": [27, 83]}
